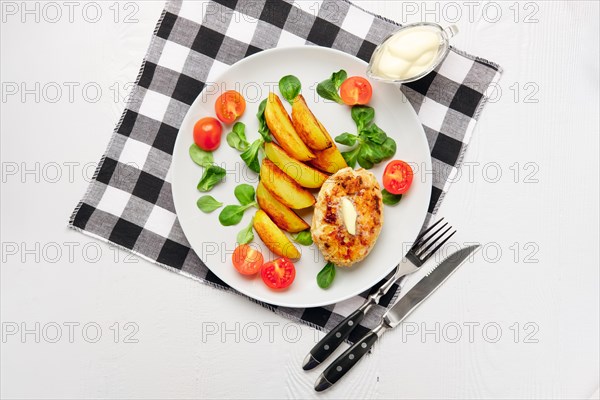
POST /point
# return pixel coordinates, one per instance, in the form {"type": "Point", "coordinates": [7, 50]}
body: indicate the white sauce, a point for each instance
{"type": "Point", "coordinates": [408, 53]}
{"type": "Point", "coordinates": [349, 215]}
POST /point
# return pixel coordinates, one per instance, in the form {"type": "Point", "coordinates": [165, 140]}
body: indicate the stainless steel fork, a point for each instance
{"type": "Point", "coordinates": [419, 253]}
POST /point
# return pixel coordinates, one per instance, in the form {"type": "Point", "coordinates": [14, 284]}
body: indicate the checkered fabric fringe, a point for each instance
{"type": "Point", "coordinates": [129, 201]}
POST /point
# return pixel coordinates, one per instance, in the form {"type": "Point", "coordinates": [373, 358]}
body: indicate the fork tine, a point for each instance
{"type": "Point", "coordinates": [434, 239]}
{"type": "Point", "coordinates": [426, 239]}
{"type": "Point", "coordinates": [438, 246]}
{"type": "Point", "coordinates": [418, 240]}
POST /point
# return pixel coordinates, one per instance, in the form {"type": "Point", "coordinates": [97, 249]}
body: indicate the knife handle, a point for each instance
{"type": "Point", "coordinates": [346, 361]}
{"type": "Point", "coordinates": [333, 339]}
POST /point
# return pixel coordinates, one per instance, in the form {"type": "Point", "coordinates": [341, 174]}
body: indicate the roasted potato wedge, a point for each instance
{"type": "Point", "coordinates": [329, 160]}
{"type": "Point", "coordinates": [308, 127]}
{"type": "Point", "coordinates": [304, 175]}
{"type": "Point", "coordinates": [284, 188]}
{"type": "Point", "coordinates": [273, 237]}
{"type": "Point", "coordinates": [281, 127]}
{"type": "Point", "coordinates": [280, 214]}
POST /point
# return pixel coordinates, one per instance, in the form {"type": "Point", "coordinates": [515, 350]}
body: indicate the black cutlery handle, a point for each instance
{"type": "Point", "coordinates": [345, 362]}
{"type": "Point", "coordinates": [332, 340]}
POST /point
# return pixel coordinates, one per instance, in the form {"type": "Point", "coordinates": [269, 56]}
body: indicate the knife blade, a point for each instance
{"type": "Point", "coordinates": [394, 316]}
{"type": "Point", "coordinates": [426, 286]}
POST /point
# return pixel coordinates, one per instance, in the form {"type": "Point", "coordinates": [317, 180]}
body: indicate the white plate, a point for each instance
{"type": "Point", "coordinates": [253, 76]}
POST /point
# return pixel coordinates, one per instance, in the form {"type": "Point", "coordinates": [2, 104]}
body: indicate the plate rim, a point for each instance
{"type": "Point", "coordinates": [246, 293]}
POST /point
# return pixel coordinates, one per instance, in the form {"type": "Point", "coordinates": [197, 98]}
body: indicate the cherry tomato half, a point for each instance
{"type": "Point", "coordinates": [397, 177]}
{"type": "Point", "coordinates": [230, 106]}
{"type": "Point", "coordinates": [278, 274]}
{"type": "Point", "coordinates": [207, 133]}
{"type": "Point", "coordinates": [247, 260]}
{"type": "Point", "coordinates": [356, 90]}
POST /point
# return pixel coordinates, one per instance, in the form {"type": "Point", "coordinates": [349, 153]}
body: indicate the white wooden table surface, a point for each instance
{"type": "Point", "coordinates": [526, 311]}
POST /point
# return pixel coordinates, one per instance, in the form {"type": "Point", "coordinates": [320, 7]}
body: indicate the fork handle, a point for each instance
{"type": "Point", "coordinates": [337, 335]}
{"type": "Point", "coordinates": [348, 359]}
{"type": "Point", "coordinates": [333, 339]}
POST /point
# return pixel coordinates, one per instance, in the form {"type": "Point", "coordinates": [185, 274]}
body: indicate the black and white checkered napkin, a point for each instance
{"type": "Point", "coordinates": [129, 202]}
